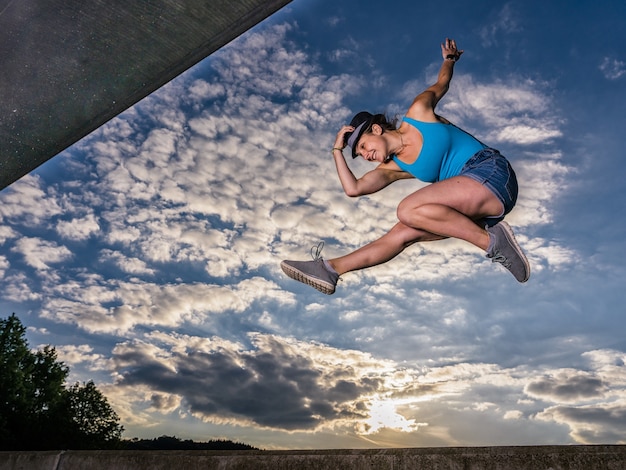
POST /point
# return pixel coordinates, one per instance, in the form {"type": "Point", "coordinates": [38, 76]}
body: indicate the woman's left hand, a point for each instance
{"type": "Point", "coordinates": [449, 48]}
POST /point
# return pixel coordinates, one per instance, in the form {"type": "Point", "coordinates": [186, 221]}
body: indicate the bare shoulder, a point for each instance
{"type": "Point", "coordinates": [421, 109]}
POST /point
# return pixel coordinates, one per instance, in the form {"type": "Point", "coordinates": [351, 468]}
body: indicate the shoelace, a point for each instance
{"type": "Point", "coordinates": [500, 258]}
{"type": "Point", "coordinates": [316, 251]}
{"type": "Point", "coordinates": [316, 254]}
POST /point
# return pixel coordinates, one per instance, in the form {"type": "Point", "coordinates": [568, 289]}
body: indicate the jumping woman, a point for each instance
{"type": "Point", "coordinates": [473, 186]}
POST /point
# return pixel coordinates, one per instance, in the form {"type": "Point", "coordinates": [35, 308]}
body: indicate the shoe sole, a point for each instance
{"type": "Point", "coordinates": [508, 232]}
{"type": "Point", "coordinates": [298, 275]}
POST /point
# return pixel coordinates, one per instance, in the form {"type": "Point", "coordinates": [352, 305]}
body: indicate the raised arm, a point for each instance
{"type": "Point", "coordinates": [372, 181]}
{"type": "Point", "coordinates": [428, 99]}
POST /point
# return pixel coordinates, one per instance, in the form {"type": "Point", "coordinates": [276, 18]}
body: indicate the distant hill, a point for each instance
{"type": "Point", "coordinates": [173, 443]}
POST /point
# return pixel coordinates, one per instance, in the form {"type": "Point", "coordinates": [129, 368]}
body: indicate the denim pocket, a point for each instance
{"type": "Point", "coordinates": [493, 170]}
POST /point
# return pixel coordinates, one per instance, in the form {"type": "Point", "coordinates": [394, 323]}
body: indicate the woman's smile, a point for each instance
{"type": "Point", "coordinates": [369, 155]}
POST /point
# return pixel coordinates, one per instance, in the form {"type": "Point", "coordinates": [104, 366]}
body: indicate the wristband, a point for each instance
{"type": "Point", "coordinates": [452, 57]}
{"type": "Point", "coordinates": [336, 148]}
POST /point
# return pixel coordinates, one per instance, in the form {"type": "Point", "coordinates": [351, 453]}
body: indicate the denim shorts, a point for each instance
{"type": "Point", "coordinates": [493, 170]}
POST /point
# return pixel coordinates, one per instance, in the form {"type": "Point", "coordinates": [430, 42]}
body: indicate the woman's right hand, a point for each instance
{"type": "Point", "coordinates": [340, 139]}
{"type": "Point", "coordinates": [448, 48]}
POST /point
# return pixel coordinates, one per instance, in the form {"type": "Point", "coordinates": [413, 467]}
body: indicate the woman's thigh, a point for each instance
{"type": "Point", "coordinates": [460, 193]}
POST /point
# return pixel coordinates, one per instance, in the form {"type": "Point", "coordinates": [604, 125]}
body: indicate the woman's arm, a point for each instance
{"type": "Point", "coordinates": [428, 99]}
{"type": "Point", "coordinates": [372, 181]}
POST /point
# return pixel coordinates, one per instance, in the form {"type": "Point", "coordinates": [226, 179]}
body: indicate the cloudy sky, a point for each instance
{"type": "Point", "coordinates": [148, 253]}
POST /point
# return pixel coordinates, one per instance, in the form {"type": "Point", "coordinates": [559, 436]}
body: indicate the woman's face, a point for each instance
{"type": "Point", "coordinates": [372, 146]}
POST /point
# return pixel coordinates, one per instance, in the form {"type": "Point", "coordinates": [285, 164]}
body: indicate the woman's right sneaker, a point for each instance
{"type": "Point", "coordinates": [507, 252]}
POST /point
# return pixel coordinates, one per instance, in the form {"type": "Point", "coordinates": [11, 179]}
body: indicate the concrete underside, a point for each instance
{"type": "Point", "coordinates": [69, 66]}
{"type": "Point", "coordinates": [457, 458]}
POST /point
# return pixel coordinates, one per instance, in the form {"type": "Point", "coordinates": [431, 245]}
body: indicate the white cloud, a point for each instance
{"type": "Point", "coordinates": [6, 233]}
{"type": "Point", "coordinates": [513, 415]}
{"type": "Point", "coordinates": [590, 402]}
{"type": "Point", "coordinates": [510, 111]}
{"type": "Point", "coordinates": [73, 355]}
{"type": "Point", "coordinates": [612, 69]}
{"type": "Point", "coordinates": [78, 228]}
{"type": "Point", "coordinates": [200, 90]}
{"type": "Point", "coordinates": [118, 306]}
{"type": "Point", "coordinates": [591, 424]}
{"type": "Point", "coordinates": [40, 254]}
{"type": "Point", "coordinates": [27, 203]}
{"type": "Point", "coordinates": [126, 264]}
{"type": "Point", "coordinates": [542, 177]}
{"type": "Point", "coordinates": [524, 134]}
{"type": "Point", "coordinates": [4, 264]}
{"type": "Point", "coordinates": [19, 288]}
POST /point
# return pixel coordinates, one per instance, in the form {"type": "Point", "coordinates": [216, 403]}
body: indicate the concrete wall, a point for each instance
{"type": "Point", "coordinates": [68, 66]}
{"type": "Point", "coordinates": [468, 458]}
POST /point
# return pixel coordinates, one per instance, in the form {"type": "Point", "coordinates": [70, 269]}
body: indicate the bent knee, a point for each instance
{"type": "Point", "coordinates": [403, 210]}
{"type": "Point", "coordinates": [412, 215]}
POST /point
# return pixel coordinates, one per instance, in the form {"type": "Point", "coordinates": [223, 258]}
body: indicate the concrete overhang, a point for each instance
{"type": "Point", "coordinates": [69, 66]}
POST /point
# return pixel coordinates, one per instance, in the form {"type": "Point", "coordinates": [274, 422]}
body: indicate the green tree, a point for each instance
{"type": "Point", "coordinates": [48, 401]}
{"type": "Point", "coordinates": [96, 424]}
{"type": "Point", "coordinates": [37, 410]}
{"type": "Point", "coordinates": [16, 387]}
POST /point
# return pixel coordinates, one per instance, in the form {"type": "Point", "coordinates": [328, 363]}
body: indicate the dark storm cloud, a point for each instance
{"type": "Point", "coordinates": [273, 386]}
{"type": "Point", "coordinates": [594, 424]}
{"type": "Point", "coordinates": [565, 387]}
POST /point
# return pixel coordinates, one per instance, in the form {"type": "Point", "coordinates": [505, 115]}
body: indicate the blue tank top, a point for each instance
{"type": "Point", "coordinates": [445, 150]}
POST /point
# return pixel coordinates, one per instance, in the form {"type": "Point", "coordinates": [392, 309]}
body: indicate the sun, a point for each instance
{"type": "Point", "coordinates": [384, 414]}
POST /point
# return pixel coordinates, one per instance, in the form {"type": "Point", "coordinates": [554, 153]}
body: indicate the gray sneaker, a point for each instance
{"type": "Point", "coordinates": [312, 273]}
{"type": "Point", "coordinates": [507, 252]}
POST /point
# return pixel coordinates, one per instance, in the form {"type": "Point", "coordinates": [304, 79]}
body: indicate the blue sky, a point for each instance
{"type": "Point", "coordinates": [148, 253]}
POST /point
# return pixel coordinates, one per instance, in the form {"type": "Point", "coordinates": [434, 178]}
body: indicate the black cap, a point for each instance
{"type": "Point", "coordinates": [360, 122]}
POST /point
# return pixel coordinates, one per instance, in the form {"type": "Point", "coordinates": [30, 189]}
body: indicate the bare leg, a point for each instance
{"type": "Point", "coordinates": [450, 208]}
{"type": "Point", "coordinates": [382, 250]}
{"type": "Point", "coordinates": [445, 209]}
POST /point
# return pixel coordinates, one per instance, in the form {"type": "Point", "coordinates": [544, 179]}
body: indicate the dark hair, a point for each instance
{"type": "Point", "coordinates": [384, 122]}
